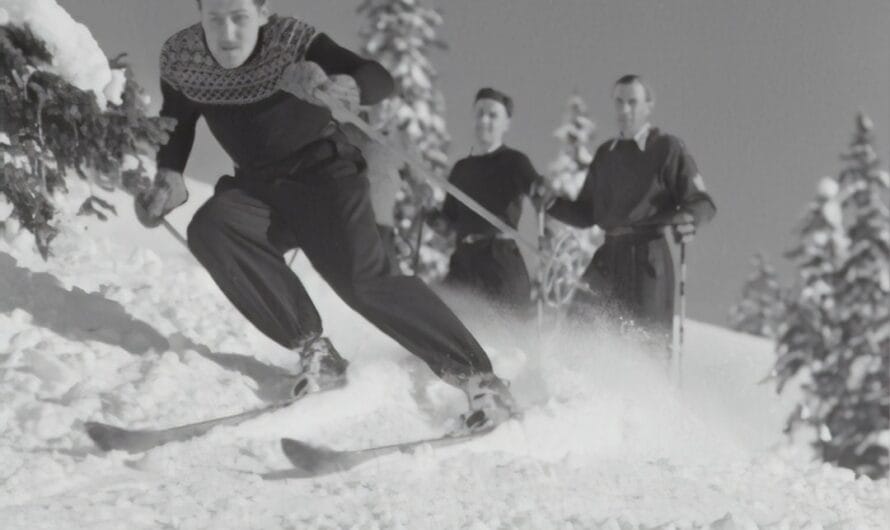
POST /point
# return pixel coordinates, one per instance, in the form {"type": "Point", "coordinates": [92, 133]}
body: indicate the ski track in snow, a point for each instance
{"type": "Point", "coordinates": [122, 326]}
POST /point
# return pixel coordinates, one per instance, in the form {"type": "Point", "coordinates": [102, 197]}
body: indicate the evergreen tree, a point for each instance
{"type": "Point", "coordinates": [576, 134]}
{"type": "Point", "coordinates": [51, 129]}
{"type": "Point", "coordinates": [400, 34]}
{"type": "Point", "coordinates": [762, 305]}
{"type": "Point", "coordinates": [573, 247]}
{"type": "Point", "coordinates": [837, 336]}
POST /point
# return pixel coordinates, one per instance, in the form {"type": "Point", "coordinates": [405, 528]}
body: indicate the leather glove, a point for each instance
{"type": "Point", "coordinates": [309, 82]}
{"type": "Point", "coordinates": [166, 193]}
{"type": "Point", "coordinates": [542, 195]}
{"type": "Point", "coordinates": [683, 227]}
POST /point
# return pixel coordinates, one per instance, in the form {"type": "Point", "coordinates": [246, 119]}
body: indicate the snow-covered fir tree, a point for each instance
{"type": "Point", "coordinates": [573, 247]}
{"type": "Point", "coordinates": [762, 306]}
{"type": "Point", "coordinates": [809, 330]}
{"type": "Point", "coordinates": [575, 134]}
{"type": "Point", "coordinates": [52, 128]}
{"type": "Point", "coordinates": [401, 34]}
{"type": "Point", "coordinates": [837, 333]}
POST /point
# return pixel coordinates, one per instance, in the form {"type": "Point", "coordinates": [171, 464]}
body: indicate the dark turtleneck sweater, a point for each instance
{"type": "Point", "coordinates": [496, 180]}
{"type": "Point", "coordinates": [627, 187]}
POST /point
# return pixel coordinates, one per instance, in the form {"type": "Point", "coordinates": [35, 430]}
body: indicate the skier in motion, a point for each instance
{"type": "Point", "coordinates": [638, 184]}
{"type": "Point", "coordinates": [299, 182]}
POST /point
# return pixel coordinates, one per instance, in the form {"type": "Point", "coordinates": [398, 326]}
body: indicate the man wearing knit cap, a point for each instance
{"type": "Point", "coordinates": [638, 184]}
{"type": "Point", "coordinates": [497, 177]}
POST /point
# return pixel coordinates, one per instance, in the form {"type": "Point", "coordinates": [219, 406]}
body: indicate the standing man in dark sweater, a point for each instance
{"type": "Point", "coordinates": [497, 177]}
{"type": "Point", "coordinates": [259, 81]}
{"type": "Point", "coordinates": [638, 184]}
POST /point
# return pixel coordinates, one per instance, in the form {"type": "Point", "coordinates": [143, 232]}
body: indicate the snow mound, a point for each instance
{"type": "Point", "coordinates": [76, 54]}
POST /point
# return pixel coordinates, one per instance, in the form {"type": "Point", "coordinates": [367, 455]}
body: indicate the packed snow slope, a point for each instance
{"type": "Point", "coordinates": [121, 325]}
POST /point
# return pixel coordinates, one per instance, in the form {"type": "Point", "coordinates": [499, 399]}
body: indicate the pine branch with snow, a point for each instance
{"type": "Point", "coordinates": [575, 134]}
{"type": "Point", "coordinates": [52, 128]}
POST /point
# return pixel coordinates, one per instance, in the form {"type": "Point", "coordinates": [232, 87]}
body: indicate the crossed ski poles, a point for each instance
{"type": "Point", "coordinates": [342, 114]}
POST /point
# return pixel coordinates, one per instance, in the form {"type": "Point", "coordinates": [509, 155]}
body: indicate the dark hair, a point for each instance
{"type": "Point", "coordinates": [259, 3]}
{"type": "Point", "coordinates": [496, 95]}
{"type": "Point", "coordinates": [630, 79]}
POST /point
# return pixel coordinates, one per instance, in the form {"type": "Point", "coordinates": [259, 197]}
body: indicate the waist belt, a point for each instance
{"type": "Point", "coordinates": [638, 231]}
{"type": "Point", "coordinates": [327, 145]}
{"type": "Point", "coordinates": [469, 239]}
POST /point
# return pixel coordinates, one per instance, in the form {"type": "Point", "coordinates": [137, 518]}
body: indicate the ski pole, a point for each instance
{"type": "Point", "coordinates": [174, 232]}
{"type": "Point", "coordinates": [166, 224]}
{"type": "Point", "coordinates": [682, 330]}
{"type": "Point", "coordinates": [342, 114]}
{"type": "Point", "coordinates": [542, 218]}
{"type": "Point", "coordinates": [416, 262]}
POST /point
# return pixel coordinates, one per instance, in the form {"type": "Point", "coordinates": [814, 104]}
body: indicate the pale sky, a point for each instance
{"type": "Point", "coordinates": [764, 92]}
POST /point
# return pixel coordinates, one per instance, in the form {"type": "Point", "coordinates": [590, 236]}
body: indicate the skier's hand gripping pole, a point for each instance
{"type": "Point", "coordinates": [153, 200]}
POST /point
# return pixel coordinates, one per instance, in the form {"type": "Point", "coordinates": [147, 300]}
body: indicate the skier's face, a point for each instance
{"type": "Point", "coordinates": [492, 121]}
{"type": "Point", "coordinates": [632, 107]}
{"type": "Point", "coordinates": [231, 28]}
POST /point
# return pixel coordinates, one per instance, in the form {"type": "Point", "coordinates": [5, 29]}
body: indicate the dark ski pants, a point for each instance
{"type": "Point", "coordinates": [632, 277]}
{"type": "Point", "coordinates": [319, 203]}
{"type": "Point", "coordinates": [494, 268]}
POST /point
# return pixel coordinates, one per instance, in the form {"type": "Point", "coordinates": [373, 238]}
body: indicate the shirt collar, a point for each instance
{"type": "Point", "coordinates": [640, 138]}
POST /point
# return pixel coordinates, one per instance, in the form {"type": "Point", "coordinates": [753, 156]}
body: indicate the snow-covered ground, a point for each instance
{"type": "Point", "coordinates": [123, 326]}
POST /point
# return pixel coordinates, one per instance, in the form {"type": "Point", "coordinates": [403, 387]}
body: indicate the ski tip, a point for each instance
{"type": "Point", "coordinates": [293, 447]}
{"type": "Point", "coordinates": [309, 458]}
{"type": "Point", "coordinates": [296, 452]}
{"type": "Point", "coordinates": [289, 445]}
{"type": "Point", "coordinates": [102, 435]}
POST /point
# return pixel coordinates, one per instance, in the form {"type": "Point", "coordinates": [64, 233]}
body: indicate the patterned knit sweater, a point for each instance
{"type": "Point", "coordinates": [255, 121]}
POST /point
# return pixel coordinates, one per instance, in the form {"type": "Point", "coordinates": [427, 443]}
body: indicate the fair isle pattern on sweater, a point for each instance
{"type": "Point", "coordinates": [188, 66]}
